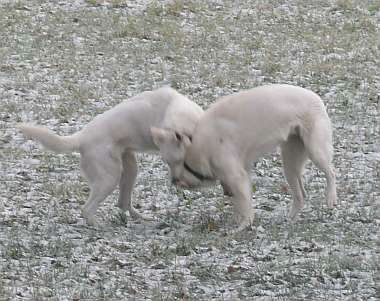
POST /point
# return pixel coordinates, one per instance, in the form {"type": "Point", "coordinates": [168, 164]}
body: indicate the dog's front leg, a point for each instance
{"type": "Point", "coordinates": [127, 181]}
{"type": "Point", "coordinates": [226, 190]}
{"type": "Point", "coordinates": [237, 180]}
{"type": "Point", "coordinates": [241, 198]}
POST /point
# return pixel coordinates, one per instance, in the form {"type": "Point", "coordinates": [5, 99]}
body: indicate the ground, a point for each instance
{"type": "Point", "coordinates": [64, 62]}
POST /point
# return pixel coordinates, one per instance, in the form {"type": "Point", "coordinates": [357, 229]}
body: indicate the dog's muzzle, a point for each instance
{"type": "Point", "coordinates": [178, 182]}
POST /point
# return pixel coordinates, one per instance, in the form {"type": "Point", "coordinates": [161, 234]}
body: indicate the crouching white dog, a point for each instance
{"type": "Point", "coordinates": [239, 129]}
{"type": "Point", "coordinates": [108, 143]}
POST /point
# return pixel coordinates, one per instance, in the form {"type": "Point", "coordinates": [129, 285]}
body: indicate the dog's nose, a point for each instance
{"type": "Point", "coordinates": [178, 182]}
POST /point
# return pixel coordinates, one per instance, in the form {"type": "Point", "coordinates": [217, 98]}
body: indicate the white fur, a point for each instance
{"type": "Point", "coordinates": [240, 128]}
{"type": "Point", "coordinates": [107, 144]}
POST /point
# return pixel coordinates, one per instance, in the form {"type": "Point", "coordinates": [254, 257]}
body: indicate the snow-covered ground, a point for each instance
{"type": "Point", "coordinates": [63, 62]}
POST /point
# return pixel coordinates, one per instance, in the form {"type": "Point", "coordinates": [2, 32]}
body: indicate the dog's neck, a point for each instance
{"type": "Point", "coordinates": [196, 174]}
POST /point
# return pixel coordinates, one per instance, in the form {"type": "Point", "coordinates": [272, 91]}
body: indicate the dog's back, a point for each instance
{"type": "Point", "coordinates": [266, 100]}
{"type": "Point", "coordinates": [128, 123]}
{"type": "Point", "coordinates": [258, 120]}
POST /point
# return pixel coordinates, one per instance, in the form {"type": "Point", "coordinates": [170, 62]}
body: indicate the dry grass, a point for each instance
{"type": "Point", "coordinates": [63, 63]}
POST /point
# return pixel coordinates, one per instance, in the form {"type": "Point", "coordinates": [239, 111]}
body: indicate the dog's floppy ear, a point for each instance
{"type": "Point", "coordinates": [178, 136]}
{"type": "Point", "coordinates": [187, 139]}
{"type": "Point", "coordinates": [159, 135]}
{"type": "Point", "coordinates": [183, 138]}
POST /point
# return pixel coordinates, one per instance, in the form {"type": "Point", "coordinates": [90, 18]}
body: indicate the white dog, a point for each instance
{"type": "Point", "coordinates": [239, 129]}
{"type": "Point", "coordinates": [107, 144]}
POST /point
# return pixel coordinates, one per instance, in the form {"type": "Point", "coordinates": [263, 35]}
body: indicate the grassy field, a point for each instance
{"type": "Point", "coordinates": [64, 62]}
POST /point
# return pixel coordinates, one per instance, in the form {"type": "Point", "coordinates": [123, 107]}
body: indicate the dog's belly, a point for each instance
{"type": "Point", "coordinates": [257, 151]}
{"type": "Point", "coordinates": [261, 145]}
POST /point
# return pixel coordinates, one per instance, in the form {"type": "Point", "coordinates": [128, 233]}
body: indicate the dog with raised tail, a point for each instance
{"type": "Point", "coordinates": [241, 128]}
{"type": "Point", "coordinates": [108, 143]}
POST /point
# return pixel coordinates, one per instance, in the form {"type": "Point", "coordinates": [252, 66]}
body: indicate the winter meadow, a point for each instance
{"type": "Point", "coordinates": [64, 62]}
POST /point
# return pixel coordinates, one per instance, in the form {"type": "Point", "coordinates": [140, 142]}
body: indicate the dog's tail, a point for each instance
{"type": "Point", "coordinates": [50, 140]}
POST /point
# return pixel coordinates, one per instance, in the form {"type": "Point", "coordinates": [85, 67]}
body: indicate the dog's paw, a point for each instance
{"type": "Point", "coordinates": [245, 224]}
{"type": "Point", "coordinates": [294, 213]}
{"type": "Point", "coordinates": [93, 224]}
{"type": "Point", "coordinates": [89, 220]}
{"type": "Point", "coordinates": [146, 218]}
{"type": "Point", "coordinates": [293, 220]}
{"type": "Point", "coordinates": [332, 202]}
{"type": "Point", "coordinates": [138, 216]}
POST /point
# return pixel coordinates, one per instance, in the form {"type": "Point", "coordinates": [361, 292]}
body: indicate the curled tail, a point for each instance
{"type": "Point", "coordinates": [50, 140]}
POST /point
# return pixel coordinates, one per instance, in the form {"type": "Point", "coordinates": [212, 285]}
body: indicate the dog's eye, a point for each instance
{"type": "Point", "coordinates": [178, 136]}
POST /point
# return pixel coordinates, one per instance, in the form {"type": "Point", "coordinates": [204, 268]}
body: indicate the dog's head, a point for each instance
{"type": "Point", "coordinates": [175, 149]}
{"type": "Point", "coordinates": [172, 146]}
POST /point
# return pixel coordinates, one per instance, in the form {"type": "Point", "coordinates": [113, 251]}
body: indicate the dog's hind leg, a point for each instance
{"type": "Point", "coordinates": [103, 174]}
{"type": "Point", "coordinates": [320, 150]}
{"type": "Point", "coordinates": [127, 181]}
{"type": "Point", "coordinates": [294, 156]}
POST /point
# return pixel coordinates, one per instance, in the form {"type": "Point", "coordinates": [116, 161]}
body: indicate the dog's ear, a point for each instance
{"type": "Point", "coordinates": [187, 140]}
{"type": "Point", "coordinates": [183, 138]}
{"type": "Point", "coordinates": [159, 135]}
